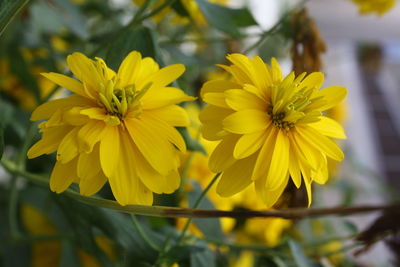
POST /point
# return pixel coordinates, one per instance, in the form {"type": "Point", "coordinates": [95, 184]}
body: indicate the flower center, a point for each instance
{"type": "Point", "coordinates": [278, 119]}
{"type": "Point", "coordinates": [117, 101]}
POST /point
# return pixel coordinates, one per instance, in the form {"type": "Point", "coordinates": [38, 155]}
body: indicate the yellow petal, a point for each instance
{"type": "Point", "coordinates": [294, 169]}
{"type": "Point", "coordinates": [74, 117]}
{"type": "Point", "coordinates": [109, 150]}
{"type": "Point", "coordinates": [329, 127]}
{"type": "Point", "coordinates": [68, 148]}
{"type": "Point", "coordinates": [248, 144]}
{"type": "Point", "coordinates": [50, 141]}
{"type": "Point", "coordinates": [47, 109]}
{"type": "Point", "coordinates": [279, 167]}
{"type": "Point", "coordinates": [129, 68]}
{"type": "Point", "coordinates": [313, 80]}
{"type": "Point", "coordinates": [216, 99]}
{"type": "Point", "coordinates": [322, 143]}
{"type": "Point", "coordinates": [270, 197]}
{"type": "Point", "coordinates": [92, 184]}
{"type": "Point", "coordinates": [239, 99]}
{"type": "Point", "coordinates": [90, 134]}
{"type": "Point", "coordinates": [164, 96]}
{"type": "Point", "coordinates": [166, 75]}
{"type": "Point", "coordinates": [89, 164]}
{"type": "Point", "coordinates": [124, 181]}
{"type": "Point", "coordinates": [262, 93]}
{"type": "Point", "coordinates": [222, 156]}
{"type": "Point", "coordinates": [218, 86]}
{"type": "Point", "coordinates": [309, 191]}
{"type": "Point", "coordinates": [237, 177]}
{"type": "Point", "coordinates": [265, 156]}
{"type": "Point", "coordinates": [168, 131]}
{"type": "Point", "coordinates": [83, 68]}
{"type": "Point", "coordinates": [322, 175]}
{"type": "Point", "coordinates": [212, 117]}
{"type": "Point", "coordinates": [276, 70]}
{"type": "Point", "coordinates": [333, 95]}
{"type": "Point", "coordinates": [152, 179]}
{"type": "Point", "coordinates": [152, 144]}
{"type": "Point", "coordinates": [63, 176]}
{"type": "Point", "coordinates": [66, 82]}
{"type": "Point", "coordinates": [246, 121]}
{"type": "Point", "coordinates": [95, 113]}
{"type": "Point", "coordinates": [173, 115]}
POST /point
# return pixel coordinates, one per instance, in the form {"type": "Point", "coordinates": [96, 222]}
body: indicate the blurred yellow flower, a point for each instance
{"type": "Point", "coordinates": [193, 10]}
{"type": "Point", "coordinates": [374, 6]}
{"type": "Point", "coordinates": [115, 126]}
{"type": "Point", "coordinates": [48, 253]}
{"type": "Point", "coordinates": [11, 85]}
{"type": "Point", "coordinates": [270, 127]}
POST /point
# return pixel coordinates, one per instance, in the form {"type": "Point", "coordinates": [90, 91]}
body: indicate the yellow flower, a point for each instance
{"type": "Point", "coordinates": [271, 128]}
{"type": "Point", "coordinates": [374, 6]}
{"type": "Point", "coordinates": [115, 126]}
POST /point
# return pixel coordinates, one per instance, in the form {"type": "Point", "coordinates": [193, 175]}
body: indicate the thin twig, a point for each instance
{"type": "Point", "coordinates": [173, 212]}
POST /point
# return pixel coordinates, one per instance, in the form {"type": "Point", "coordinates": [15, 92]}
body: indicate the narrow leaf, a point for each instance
{"type": "Point", "coordinates": [8, 10]}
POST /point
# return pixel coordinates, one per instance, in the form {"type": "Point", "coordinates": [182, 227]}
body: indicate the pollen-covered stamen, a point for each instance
{"type": "Point", "coordinates": [278, 119]}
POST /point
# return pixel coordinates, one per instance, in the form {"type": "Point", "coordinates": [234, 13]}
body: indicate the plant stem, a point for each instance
{"type": "Point", "coordinates": [196, 205]}
{"type": "Point", "coordinates": [173, 212]}
{"type": "Point", "coordinates": [12, 208]}
{"type": "Point", "coordinates": [157, 10]}
{"type": "Point", "coordinates": [142, 233]}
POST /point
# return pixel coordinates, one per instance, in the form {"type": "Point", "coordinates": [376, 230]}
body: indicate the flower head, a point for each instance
{"type": "Point", "coordinates": [115, 127]}
{"type": "Point", "coordinates": [272, 128]}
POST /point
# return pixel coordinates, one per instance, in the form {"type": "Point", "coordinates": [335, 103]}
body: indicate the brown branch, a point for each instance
{"type": "Point", "coordinates": [173, 212]}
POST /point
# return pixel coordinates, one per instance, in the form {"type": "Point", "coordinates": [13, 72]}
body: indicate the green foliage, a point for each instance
{"type": "Point", "coordinates": [140, 38]}
{"type": "Point", "coordinates": [225, 19]}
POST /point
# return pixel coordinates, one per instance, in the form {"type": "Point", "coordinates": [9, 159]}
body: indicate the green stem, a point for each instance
{"type": "Point", "coordinates": [12, 208]}
{"type": "Point", "coordinates": [19, 164]}
{"type": "Point", "coordinates": [21, 157]}
{"type": "Point", "coordinates": [274, 29]}
{"type": "Point", "coordinates": [157, 10]}
{"type": "Point", "coordinates": [141, 10]}
{"type": "Point", "coordinates": [195, 206]}
{"type": "Point", "coordinates": [142, 233]}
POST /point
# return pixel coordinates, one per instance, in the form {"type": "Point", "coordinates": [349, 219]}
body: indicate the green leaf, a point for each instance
{"type": "Point", "coordinates": [299, 255]}
{"type": "Point", "coordinates": [141, 39]}
{"type": "Point", "coordinates": [211, 228]}
{"type": "Point", "coordinates": [8, 10]}
{"type": "Point", "coordinates": [226, 19]}
{"type": "Point", "coordinates": [191, 144]}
